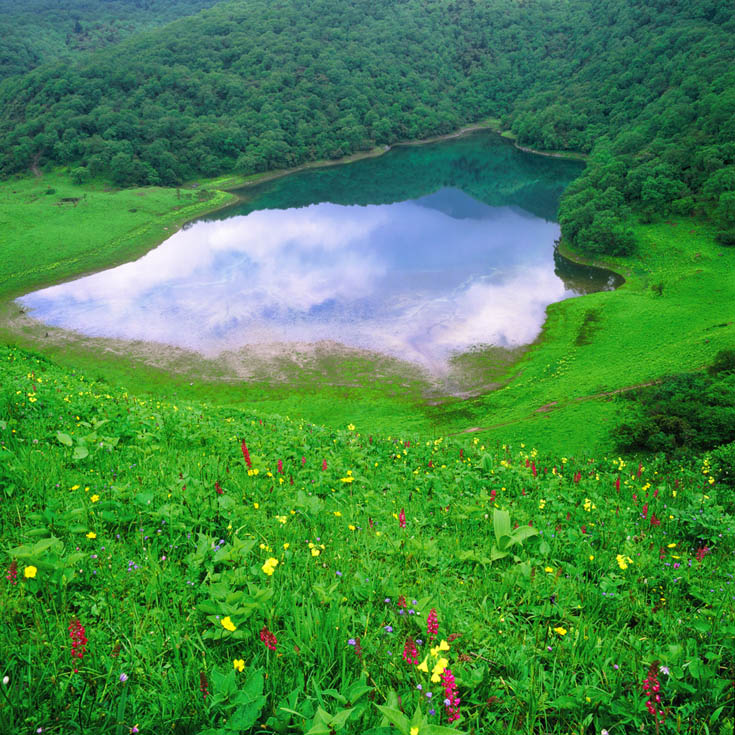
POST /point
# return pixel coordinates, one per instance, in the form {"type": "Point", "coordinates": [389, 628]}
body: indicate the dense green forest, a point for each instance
{"type": "Point", "coordinates": [249, 85]}
{"type": "Point", "coordinates": [37, 31]}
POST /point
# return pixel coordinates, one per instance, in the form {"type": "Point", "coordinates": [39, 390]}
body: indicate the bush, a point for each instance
{"type": "Point", "coordinates": [724, 362]}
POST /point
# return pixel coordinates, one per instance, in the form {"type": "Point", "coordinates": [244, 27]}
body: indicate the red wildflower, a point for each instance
{"type": "Point", "coordinates": [492, 495]}
{"type": "Point", "coordinates": [218, 488]}
{"type": "Point", "coordinates": [303, 461]}
{"type": "Point", "coordinates": [402, 518]}
{"type": "Point", "coordinates": [702, 552]}
{"type": "Point", "coordinates": [432, 623]}
{"type": "Point", "coordinates": [533, 469]}
{"type": "Point", "coordinates": [651, 690]}
{"type": "Point", "coordinates": [655, 521]}
{"type": "Point", "coordinates": [268, 638]}
{"type": "Point", "coordinates": [461, 454]}
{"type": "Point", "coordinates": [78, 640]}
{"type": "Point", "coordinates": [12, 575]}
{"type": "Point", "coordinates": [617, 483]}
{"type": "Point", "coordinates": [324, 465]}
{"type": "Point", "coordinates": [280, 466]}
{"type": "Point", "coordinates": [203, 684]}
{"type": "Point", "coordinates": [451, 700]}
{"type": "Point", "coordinates": [410, 654]}
{"type": "Point", "coordinates": [246, 454]}
{"type": "Point", "coordinates": [401, 601]}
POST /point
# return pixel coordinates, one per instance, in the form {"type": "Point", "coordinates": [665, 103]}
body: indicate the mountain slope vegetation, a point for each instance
{"type": "Point", "coordinates": [38, 31]}
{"type": "Point", "coordinates": [250, 85]}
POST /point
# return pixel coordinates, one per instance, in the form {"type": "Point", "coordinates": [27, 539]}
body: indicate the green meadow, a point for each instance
{"type": "Point", "coordinates": [196, 568]}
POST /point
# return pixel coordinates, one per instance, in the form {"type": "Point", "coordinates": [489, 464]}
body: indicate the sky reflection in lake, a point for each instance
{"type": "Point", "coordinates": [418, 280]}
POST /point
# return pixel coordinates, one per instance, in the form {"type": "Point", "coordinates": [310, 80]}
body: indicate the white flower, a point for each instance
{"type": "Point", "coordinates": [664, 670]}
{"type": "Point", "coordinates": [6, 680]}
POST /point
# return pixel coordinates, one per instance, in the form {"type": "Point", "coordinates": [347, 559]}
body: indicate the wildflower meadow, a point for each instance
{"type": "Point", "coordinates": [187, 568]}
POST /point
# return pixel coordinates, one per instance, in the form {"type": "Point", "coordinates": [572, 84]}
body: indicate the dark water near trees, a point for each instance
{"type": "Point", "coordinates": [420, 254]}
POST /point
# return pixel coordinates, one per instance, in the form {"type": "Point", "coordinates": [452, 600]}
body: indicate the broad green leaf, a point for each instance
{"type": "Point", "coordinates": [501, 525]}
{"type": "Point", "coordinates": [80, 452]}
{"type": "Point", "coordinates": [65, 439]}
{"type": "Point", "coordinates": [395, 717]}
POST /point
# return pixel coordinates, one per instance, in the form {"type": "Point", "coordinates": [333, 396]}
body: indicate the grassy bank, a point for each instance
{"type": "Point", "coordinates": [53, 230]}
{"type": "Point", "coordinates": [673, 314]}
{"type": "Point", "coordinates": [675, 311]}
{"type": "Point", "coordinates": [208, 586]}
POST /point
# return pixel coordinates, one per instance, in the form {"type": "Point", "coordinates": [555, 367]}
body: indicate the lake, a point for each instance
{"type": "Point", "coordinates": [420, 254]}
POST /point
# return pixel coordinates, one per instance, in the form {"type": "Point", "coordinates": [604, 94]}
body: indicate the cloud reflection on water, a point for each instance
{"type": "Point", "coordinates": [418, 280]}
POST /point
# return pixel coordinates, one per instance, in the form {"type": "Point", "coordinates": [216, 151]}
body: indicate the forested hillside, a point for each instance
{"type": "Point", "coordinates": [250, 85]}
{"type": "Point", "coordinates": [38, 31]}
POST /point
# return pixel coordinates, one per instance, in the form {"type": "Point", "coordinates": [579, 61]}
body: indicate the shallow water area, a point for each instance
{"type": "Point", "coordinates": [418, 267]}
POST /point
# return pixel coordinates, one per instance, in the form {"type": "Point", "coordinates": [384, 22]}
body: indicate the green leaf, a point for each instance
{"type": "Point", "coordinates": [80, 452]}
{"type": "Point", "coordinates": [395, 717]}
{"type": "Point", "coordinates": [320, 724]}
{"type": "Point", "coordinates": [501, 526]}
{"type": "Point", "coordinates": [441, 730]}
{"type": "Point", "coordinates": [65, 439]}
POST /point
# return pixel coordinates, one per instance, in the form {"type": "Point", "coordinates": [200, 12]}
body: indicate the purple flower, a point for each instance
{"type": "Point", "coordinates": [351, 642]}
{"type": "Point", "coordinates": [123, 678]}
{"type": "Point", "coordinates": [388, 628]}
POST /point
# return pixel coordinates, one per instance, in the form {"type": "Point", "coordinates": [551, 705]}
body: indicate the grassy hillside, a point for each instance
{"type": "Point", "coordinates": [197, 569]}
{"type": "Point", "coordinates": [53, 229]}
{"type": "Point", "coordinates": [673, 314]}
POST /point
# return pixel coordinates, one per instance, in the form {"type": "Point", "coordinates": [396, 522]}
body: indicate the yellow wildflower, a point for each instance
{"type": "Point", "coordinates": [91, 534]}
{"type": "Point", "coordinates": [95, 498]}
{"type": "Point", "coordinates": [423, 665]}
{"type": "Point", "coordinates": [30, 572]}
{"type": "Point", "coordinates": [623, 561]}
{"type": "Point", "coordinates": [350, 427]}
{"type": "Point", "coordinates": [438, 669]}
{"type": "Point", "coordinates": [270, 564]}
{"type": "Point", "coordinates": [560, 630]}
{"type": "Point", "coordinates": [414, 731]}
{"type": "Point", "coordinates": [227, 624]}
{"type": "Point", "coordinates": [436, 650]}
{"type": "Point", "coordinates": [239, 664]}
{"type": "Point", "coordinates": [315, 552]}
{"type": "Point", "coordinates": [549, 570]}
